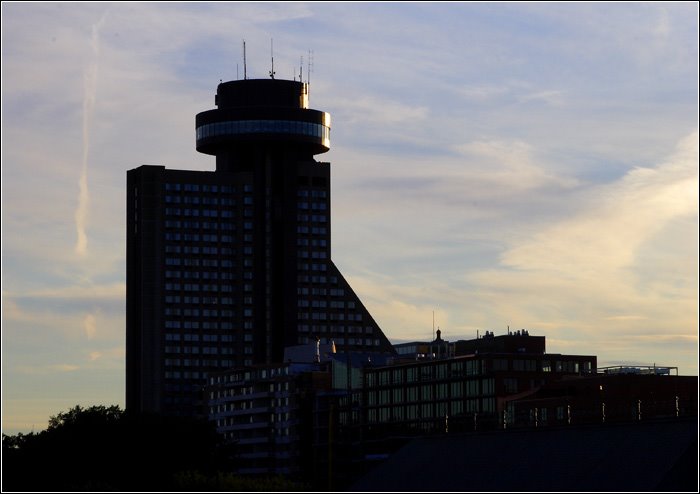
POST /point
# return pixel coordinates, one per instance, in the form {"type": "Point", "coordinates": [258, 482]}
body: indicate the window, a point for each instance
{"type": "Point", "coordinates": [510, 385]}
{"type": "Point", "coordinates": [500, 364]}
{"type": "Point", "coordinates": [488, 405]}
{"type": "Point", "coordinates": [412, 393]}
{"type": "Point", "coordinates": [472, 387]}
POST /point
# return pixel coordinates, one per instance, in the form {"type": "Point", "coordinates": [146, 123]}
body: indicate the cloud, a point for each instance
{"type": "Point", "coordinates": [662, 28]}
{"type": "Point", "coordinates": [621, 217]}
{"type": "Point", "coordinates": [595, 272]}
{"type": "Point", "coordinates": [69, 314]}
{"type": "Point", "coordinates": [90, 93]}
{"type": "Point", "coordinates": [81, 294]}
{"type": "Point", "coordinates": [90, 326]}
{"type": "Point", "coordinates": [42, 370]}
{"type": "Point", "coordinates": [483, 93]}
{"type": "Point", "coordinates": [508, 164]}
{"type": "Point", "coordinates": [553, 97]}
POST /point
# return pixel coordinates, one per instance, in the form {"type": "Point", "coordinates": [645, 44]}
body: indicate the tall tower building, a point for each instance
{"type": "Point", "coordinates": [226, 268]}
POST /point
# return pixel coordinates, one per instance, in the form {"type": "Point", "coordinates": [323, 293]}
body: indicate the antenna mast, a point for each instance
{"type": "Point", "coordinates": [309, 67]}
{"type": "Point", "coordinates": [245, 75]}
{"type": "Point", "coordinates": [272, 71]}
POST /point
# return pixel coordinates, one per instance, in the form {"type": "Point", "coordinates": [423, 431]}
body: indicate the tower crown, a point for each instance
{"type": "Point", "coordinates": [255, 111]}
{"type": "Point", "coordinates": [274, 93]}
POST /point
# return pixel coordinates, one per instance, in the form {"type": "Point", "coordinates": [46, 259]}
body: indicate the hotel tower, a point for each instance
{"type": "Point", "coordinates": [226, 268]}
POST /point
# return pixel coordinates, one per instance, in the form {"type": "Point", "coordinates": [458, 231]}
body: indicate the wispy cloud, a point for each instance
{"type": "Point", "coordinates": [621, 217]}
{"type": "Point", "coordinates": [509, 164]}
{"type": "Point", "coordinates": [90, 325]}
{"type": "Point", "coordinates": [46, 369]}
{"type": "Point", "coordinates": [90, 91]}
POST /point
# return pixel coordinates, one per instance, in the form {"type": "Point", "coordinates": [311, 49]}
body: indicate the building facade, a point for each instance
{"type": "Point", "coordinates": [613, 395]}
{"type": "Point", "coordinates": [264, 412]}
{"type": "Point", "coordinates": [227, 268]}
{"type": "Point", "coordinates": [462, 393]}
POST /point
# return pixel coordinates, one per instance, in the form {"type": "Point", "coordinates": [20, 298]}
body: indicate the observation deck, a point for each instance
{"type": "Point", "coordinates": [257, 111]}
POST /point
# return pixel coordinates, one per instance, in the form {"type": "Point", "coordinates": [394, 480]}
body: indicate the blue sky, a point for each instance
{"type": "Point", "coordinates": [522, 165]}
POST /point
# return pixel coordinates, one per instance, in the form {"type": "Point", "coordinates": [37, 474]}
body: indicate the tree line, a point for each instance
{"type": "Point", "coordinates": [104, 448]}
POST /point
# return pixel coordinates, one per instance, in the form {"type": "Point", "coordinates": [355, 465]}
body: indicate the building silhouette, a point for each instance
{"type": "Point", "coordinates": [226, 268]}
{"type": "Point", "coordinates": [328, 418]}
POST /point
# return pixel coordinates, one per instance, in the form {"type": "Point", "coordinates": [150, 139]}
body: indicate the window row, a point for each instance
{"type": "Point", "coordinates": [195, 287]}
{"type": "Point", "coordinates": [194, 249]}
{"type": "Point", "coordinates": [314, 206]}
{"type": "Point", "coordinates": [312, 193]}
{"type": "Point", "coordinates": [187, 261]}
{"type": "Point", "coordinates": [196, 225]}
{"type": "Point", "coordinates": [312, 242]}
{"type": "Point", "coordinates": [303, 278]}
{"type": "Point", "coordinates": [199, 187]}
{"type": "Point", "coordinates": [303, 266]}
{"type": "Point", "coordinates": [316, 230]}
{"type": "Point", "coordinates": [305, 254]}
{"type": "Point", "coordinates": [333, 304]}
{"type": "Point", "coordinates": [318, 218]}
{"type": "Point", "coordinates": [197, 325]}
{"type": "Point", "coordinates": [323, 328]}
{"type": "Point", "coordinates": [205, 350]}
{"type": "Point", "coordinates": [207, 213]}
{"type": "Point", "coordinates": [205, 275]}
{"type": "Point", "coordinates": [207, 201]}
{"type": "Point", "coordinates": [196, 237]}
{"type": "Point", "coordinates": [322, 316]}
{"type": "Point", "coordinates": [334, 292]}
{"type": "Point", "coordinates": [237, 127]}
{"type": "Point", "coordinates": [184, 312]}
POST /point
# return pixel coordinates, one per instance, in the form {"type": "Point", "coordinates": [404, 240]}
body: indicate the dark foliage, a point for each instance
{"type": "Point", "coordinates": [106, 449]}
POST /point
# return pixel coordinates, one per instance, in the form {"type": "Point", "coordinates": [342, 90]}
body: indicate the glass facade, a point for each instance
{"type": "Point", "coordinates": [245, 127]}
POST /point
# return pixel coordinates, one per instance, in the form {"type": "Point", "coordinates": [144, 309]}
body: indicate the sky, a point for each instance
{"type": "Point", "coordinates": [497, 165]}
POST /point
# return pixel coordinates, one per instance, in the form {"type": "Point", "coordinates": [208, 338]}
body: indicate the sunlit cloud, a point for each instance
{"type": "Point", "coordinates": [621, 217]}
{"type": "Point", "coordinates": [74, 313]}
{"type": "Point", "coordinates": [484, 92]}
{"type": "Point", "coordinates": [90, 90]}
{"type": "Point", "coordinates": [553, 97]}
{"type": "Point", "coordinates": [41, 370]}
{"type": "Point", "coordinates": [90, 326]}
{"type": "Point", "coordinates": [663, 27]}
{"type": "Point", "coordinates": [508, 164]}
{"type": "Point", "coordinates": [88, 294]}
{"type": "Point", "coordinates": [585, 272]}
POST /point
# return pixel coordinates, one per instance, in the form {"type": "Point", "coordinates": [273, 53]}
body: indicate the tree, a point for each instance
{"type": "Point", "coordinates": [105, 448]}
{"type": "Point", "coordinates": [94, 415]}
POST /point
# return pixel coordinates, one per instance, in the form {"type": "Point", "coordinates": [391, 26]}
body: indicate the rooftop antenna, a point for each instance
{"type": "Point", "coordinates": [245, 75]}
{"type": "Point", "coordinates": [301, 65]}
{"type": "Point", "coordinates": [309, 67]}
{"type": "Point", "coordinates": [272, 71]}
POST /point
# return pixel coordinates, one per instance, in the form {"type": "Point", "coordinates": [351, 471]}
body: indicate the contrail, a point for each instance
{"type": "Point", "coordinates": [90, 90]}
